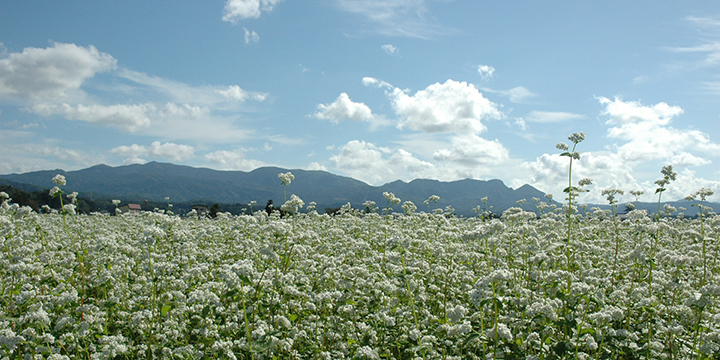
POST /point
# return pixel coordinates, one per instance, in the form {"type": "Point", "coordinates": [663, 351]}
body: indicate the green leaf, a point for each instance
{"type": "Point", "coordinates": [245, 279]}
{"type": "Point", "coordinates": [165, 309]}
{"type": "Point", "coordinates": [206, 310]}
{"type": "Point", "coordinates": [230, 294]}
{"type": "Point", "coordinates": [587, 331]}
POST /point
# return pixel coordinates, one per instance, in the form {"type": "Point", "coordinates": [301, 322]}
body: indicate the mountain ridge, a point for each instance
{"type": "Point", "coordinates": [182, 183]}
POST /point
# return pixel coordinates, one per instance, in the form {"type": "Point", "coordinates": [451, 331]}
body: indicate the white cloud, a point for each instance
{"type": "Point", "coordinates": [234, 92]}
{"type": "Point", "coordinates": [711, 45]}
{"type": "Point", "coordinates": [472, 150]}
{"type": "Point", "coordinates": [486, 71]}
{"type": "Point", "coordinates": [235, 10]}
{"type": "Point", "coordinates": [251, 36]}
{"type": "Point", "coordinates": [344, 109]}
{"type": "Point", "coordinates": [233, 160]}
{"type": "Point", "coordinates": [170, 151]}
{"type": "Point", "coordinates": [127, 117]}
{"type": "Point", "coordinates": [377, 165]}
{"type": "Point", "coordinates": [686, 159]}
{"type": "Point", "coordinates": [452, 107]}
{"type": "Point", "coordinates": [371, 81]}
{"type": "Point", "coordinates": [52, 72]}
{"type": "Point", "coordinates": [178, 92]}
{"type": "Point", "coordinates": [647, 132]}
{"type": "Point", "coordinates": [363, 161]}
{"type": "Point", "coordinates": [552, 116]}
{"type": "Point", "coordinates": [646, 141]}
{"type": "Point", "coordinates": [316, 166]}
{"type": "Point", "coordinates": [408, 18]}
{"type": "Point", "coordinates": [26, 157]}
{"type": "Point", "coordinates": [390, 49]}
{"type": "Point", "coordinates": [518, 94]}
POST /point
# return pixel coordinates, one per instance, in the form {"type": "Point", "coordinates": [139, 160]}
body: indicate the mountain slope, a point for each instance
{"type": "Point", "coordinates": [155, 181]}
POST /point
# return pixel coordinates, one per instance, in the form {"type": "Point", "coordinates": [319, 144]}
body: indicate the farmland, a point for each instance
{"type": "Point", "coordinates": [419, 284]}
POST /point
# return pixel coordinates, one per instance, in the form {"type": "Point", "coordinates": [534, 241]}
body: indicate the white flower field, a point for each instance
{"type": "Point", "coordinates": [358, 286]}
{"type": "Point", "coordinates": [556, 283]}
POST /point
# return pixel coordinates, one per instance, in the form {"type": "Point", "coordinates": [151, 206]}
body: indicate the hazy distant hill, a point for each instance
{"type": "Point", "coordinates": [155, 181]}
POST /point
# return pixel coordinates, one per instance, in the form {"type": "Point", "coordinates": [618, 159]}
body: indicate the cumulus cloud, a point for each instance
{"type": "Point", "coordinates": [370, 163]}
{"type": "Point", "coordinates": [551, 116]}
{"type": "Point", "coordinates": [316, 166]}
{"type": "Point", "coordinates": [344, 109]}
{"type": "Point", "coordinates": [233, 160]}
{"type": "Point", "coordinates": [471, 150]}
{"type": "Point", "coordinates": [452, 107]}
{"type": "Point", "coordinates": [645, 141]}
{"type": "Point", "coordinates": [135, 153]}
{"type": "Point", "coordinates": [52, 72]}
{"type": "Point", "coordinates": [235, 10]}
{"type": "Point", "coordinates": [647, 132]}
{"type": "Point", "coordinates": [485, 71]}
{"type": "Point", "coordinates": [471, 157]}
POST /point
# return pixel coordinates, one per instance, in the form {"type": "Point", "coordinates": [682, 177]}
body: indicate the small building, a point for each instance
{"type": "Point", "coordinates": [130, 208]}
{"type": "Point", "coordinates": [201, 209]}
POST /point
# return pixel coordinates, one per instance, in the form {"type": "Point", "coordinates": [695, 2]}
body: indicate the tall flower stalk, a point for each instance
{"type": "Point", "coordinates": [699, 197]}
{"type": "Point", "coordinates": [572, 191]}
{"type": "Point", "coordinates": [286, 179]}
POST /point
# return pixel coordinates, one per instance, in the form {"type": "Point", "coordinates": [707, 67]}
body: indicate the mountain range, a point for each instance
{"type": "Point", "coordinates": [154, 181]}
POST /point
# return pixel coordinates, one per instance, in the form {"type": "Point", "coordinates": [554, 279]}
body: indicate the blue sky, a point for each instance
{"type": "Point", "coordinates": [375, 90]}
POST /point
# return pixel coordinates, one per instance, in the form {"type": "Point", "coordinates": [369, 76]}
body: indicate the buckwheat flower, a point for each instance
{"type": "Point", "coordinates": [432, 198]}
{"type": "Point", "coordinates": [54, 191]}
{"type": "Point", "coordinates": [69, 208]}
{"type": "Point", "coordinates": [585, 182]}
{"type": "Point", "coordinates": [610, 194]}
{"type": "Point", "coordinates": [293, 204]}
{"type": "Point", "coordinates": [409, 208]}
{"type": "Point", "coordinates": [73, 197]}
{"type": "Point", "coordinates": [392, 199]}
{"type": "Point", "coordinates": [369, 205]}
{"type": "Point", "coordinates": [669, 209]}
{"type": "Point", "coordinates": [116, 202]}
{"type": "Point", "coordinates": [502, 331]}
{"type": "Point", "coordinates": [366, 352]}
{"type": "Point", "coordinates": [668, 172]}
{"type": "Point", "coordinates": [59, 180]}
{"type": "Point", "coordinates": [577, 137]}
{"type": "Point", "coordinates": [4, 195]}
{"type": "Point", "coordinates": [456, 314]}
{"type": "Point", "coordinates": [562, 146]}
{"type": "Point", "coordinates": [286, 178]}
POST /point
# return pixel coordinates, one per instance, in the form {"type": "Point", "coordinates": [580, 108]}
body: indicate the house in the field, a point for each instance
{"type": "Point", "coordinates": [201, 209]}
{"type": "Point", "coordinates": [130, 209]}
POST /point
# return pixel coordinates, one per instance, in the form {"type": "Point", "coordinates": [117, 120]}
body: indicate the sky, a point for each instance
{"type": "Point", "coordinates": [374, 90]}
